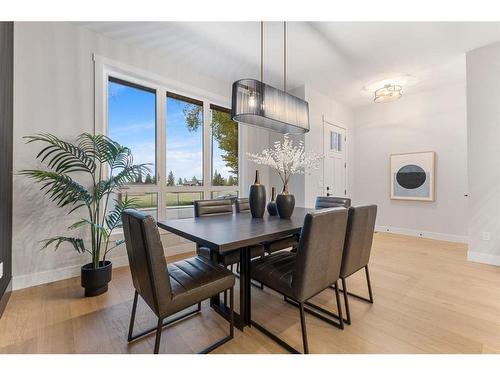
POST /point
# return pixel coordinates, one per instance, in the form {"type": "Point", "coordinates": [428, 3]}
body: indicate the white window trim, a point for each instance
{"type": "Point", "coordinates": [105, 68]}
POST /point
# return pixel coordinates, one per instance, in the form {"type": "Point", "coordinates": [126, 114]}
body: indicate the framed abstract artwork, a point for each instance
{"type": "Point", "coordinates": [413, 176]}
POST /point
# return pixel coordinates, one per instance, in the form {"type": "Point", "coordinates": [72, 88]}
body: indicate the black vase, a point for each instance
{"type": "Point", "coordinates": [285, 203]}
{"type": "Point", "coordinates": [257, 198]}
{"type": "Point", "coordinates": [95, 280]}
{"type": "Point", "coordinates": [271, 206]}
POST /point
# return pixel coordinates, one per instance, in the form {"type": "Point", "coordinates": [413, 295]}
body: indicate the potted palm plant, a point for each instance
{"type": "Point", "coordinates": [103, 168]}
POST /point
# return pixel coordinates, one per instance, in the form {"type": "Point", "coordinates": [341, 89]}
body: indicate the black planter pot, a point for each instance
{"type": "Point", "coordinates": [271, 206]}
{"type": "Point", "coordinates": [257, 198]}
{"type": "Point", "coordinates": [285, 203]}
{"type": "Point", "coordinates": [95, 280]}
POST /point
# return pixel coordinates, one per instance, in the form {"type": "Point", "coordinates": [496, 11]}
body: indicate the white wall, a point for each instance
{"type": "Point", "coordinates": [483, 126]}
{"type": "Point", "coordinates": [54, 92]}
{"type": "Point", "coordinates": [296, 185]}
{"type": "Point", "coordinates": [307, 187]}
{"type": "Point", "coordinates": [320, 106]}
{"type": "Point", "coordinates": [433, 120]}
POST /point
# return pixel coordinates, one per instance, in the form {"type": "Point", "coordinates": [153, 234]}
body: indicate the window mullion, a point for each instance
{"type": "Point", "coordinates": [161, 150]}
{"type": "Point", "coordinates": [207, 150]}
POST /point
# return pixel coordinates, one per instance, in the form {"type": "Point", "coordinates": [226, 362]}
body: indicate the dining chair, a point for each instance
{"type": "Point", "coordinates": [221, 207]}
{"type": "Point", "coordinates": [212, 207]}
{"type": "Point", "coordinates": [170, 288]}
{"type": "Point", "coordinates": [242, 205]}
{"type": "Point", "coordinates": [312, 269]}
{"type": "Point", "coordinates": [329, 202]}
{"type": "Point", "coordinates": [357, 250]}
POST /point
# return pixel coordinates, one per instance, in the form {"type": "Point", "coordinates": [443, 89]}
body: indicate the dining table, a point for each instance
{"type": "Point", "coordinates": [237, 231]}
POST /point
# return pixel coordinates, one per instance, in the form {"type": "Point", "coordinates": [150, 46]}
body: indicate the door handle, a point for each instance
{"type": "Point", "coordinates": [328, 189]}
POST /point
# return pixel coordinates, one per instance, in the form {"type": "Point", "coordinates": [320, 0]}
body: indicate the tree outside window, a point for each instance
{"type": "Point", "coordinates": [224, 143]}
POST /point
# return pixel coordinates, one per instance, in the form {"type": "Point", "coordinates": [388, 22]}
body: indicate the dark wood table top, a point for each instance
{"type": "Point", "coordinates": [229, 232]}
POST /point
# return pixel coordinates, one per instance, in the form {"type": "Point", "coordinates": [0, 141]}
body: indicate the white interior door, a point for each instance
{"type": "Point", "coordinates": [335, 165]}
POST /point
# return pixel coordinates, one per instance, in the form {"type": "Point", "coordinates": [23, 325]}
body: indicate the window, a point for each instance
{"type": "Point", "coordinates": [132, 122]}
{"type": "Point", "coordinates": [224, 135]}
{"type": "Point", "coordinates": [180, 199]}
{"type": "Point", "coordinates": [224, 194]}
{"type": "Point", "coordinates": [184, 141]}
{"type": "Point", "coordinates": [191, 145]}
{"type": "Point", "coordinates": [146, 202]}
{"type": "Point", "coordinates": [335, 141]}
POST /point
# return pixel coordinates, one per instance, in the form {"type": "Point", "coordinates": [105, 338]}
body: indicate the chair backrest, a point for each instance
{"type": "Point", "coordinates": [319, 255]}
{"type": "Point", "coordinates": [147, 260]}
{"type": "Point", "coordinates": [242, 205]}
{"type": "Point", "coordinates": [213, 207]}
{"type": "Point", "coordinates": [359, 238]}
{"type": "Point", "coordinates": [329, 202]}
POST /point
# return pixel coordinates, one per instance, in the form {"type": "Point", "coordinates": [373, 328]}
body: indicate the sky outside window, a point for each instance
{"type": "Point", "coordinates": [132, 123]}
{"type": "Point", "coordinates": [184, 143]}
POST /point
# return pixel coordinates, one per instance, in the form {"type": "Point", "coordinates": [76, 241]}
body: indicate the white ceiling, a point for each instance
{"type": "Point", "coordinates": [337, 58]}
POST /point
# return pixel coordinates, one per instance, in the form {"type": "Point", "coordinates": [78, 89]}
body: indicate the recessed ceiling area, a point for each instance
{"type": "Point", "coordinates": [336, 58]}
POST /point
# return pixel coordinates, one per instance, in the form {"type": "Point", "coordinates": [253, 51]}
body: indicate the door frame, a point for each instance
{"type": "Point", "coordinates": [346, 147]}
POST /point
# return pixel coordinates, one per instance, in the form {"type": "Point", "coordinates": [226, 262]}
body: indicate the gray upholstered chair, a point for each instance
{"type": "Point", "coordinates": [211, 207]}
{"type": "Point", "coordinates": [326, 202]}
{"type": "Point", "coordinates": [221, 207]}
{"type": "Point", "coordinates": [313, 268]}
{"type": "Point", "coordinates": [169, 289]}
{"type": "Point", "coordinates": [329, 202]}
{"type": "Point", "coordinates": [357, 249]}
{"type": "Point", "coordinates": [242, 205]}
{"type": "Point", "coordinates": [270, 247]}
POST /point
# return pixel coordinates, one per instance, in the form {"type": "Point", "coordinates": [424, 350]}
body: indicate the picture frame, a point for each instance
{"type": "Point", "coordinates": [412, 176]}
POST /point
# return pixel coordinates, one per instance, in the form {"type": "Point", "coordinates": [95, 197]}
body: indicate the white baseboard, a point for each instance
{"type": "Point", "coordinates": [476, 256]}
{"type": "Point", "coordinates": [423, 234]}
{"type": "Point", "coordinates": [39, 278]}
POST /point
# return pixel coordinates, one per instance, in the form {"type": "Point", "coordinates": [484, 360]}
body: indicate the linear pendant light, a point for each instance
{"type": "Point", "coordinates": [258, 104]}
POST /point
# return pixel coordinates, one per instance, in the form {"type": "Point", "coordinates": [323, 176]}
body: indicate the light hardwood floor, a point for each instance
{"type": "Point", "coordinates": [428, 299]}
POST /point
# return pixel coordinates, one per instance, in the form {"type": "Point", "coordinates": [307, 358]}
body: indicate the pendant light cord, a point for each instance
{"type": "Point", "coordinates": [284, 56]}
{"type": "Point", "coordinates": [262, 51]}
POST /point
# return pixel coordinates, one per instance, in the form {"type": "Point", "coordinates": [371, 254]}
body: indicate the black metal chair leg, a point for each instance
{"type": "Point", "coordinates": [369, 283]}
{"type": "Point", "coordinates": [346, 301]}
{"type": "Point", "coordinates": [231, 313]}
{"type": "Point", "coordinates": [303, 325]}
{"type": "Point", "coordinates": [132, 317]}
{"type": "Point", "coordinates": [231, 326]}
{"type": "Point", "coordinates": [339, 306]}
{"type": "Point", "coordinates": [158, 335]}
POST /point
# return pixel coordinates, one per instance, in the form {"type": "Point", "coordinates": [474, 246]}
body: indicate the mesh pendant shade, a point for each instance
{"type": "Point", "coordinates": [257, 104]}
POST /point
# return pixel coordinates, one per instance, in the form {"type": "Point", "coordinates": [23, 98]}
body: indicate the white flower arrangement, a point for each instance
{"type": "Point", "coordinates": [287, 159]}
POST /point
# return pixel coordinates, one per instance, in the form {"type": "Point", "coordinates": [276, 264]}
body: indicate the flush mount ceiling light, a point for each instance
{"type": "Point", "coordinates": [258, 104]}
{"type": "Point", "coordinates": [388, 93]}
{"type": "Point", "coordinates": [385, 90]}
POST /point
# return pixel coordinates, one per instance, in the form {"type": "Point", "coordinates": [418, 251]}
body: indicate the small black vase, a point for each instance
{"type": "Point", "coordinates": [285, 203]}
{"type": "Point", "coordinates": [95, 280]}
{"type": "Point", "coordinates": [271, 206]}
{"type": "Point", "coordinates": [257, 198]}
